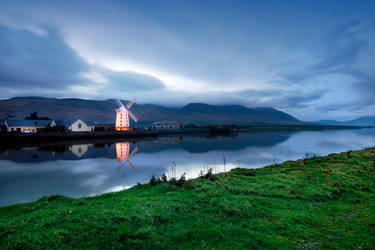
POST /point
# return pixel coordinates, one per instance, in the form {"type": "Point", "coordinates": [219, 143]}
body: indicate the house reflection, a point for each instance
{"type": "Point", "coordinates": [79, 150]}
{"type": "Point", "coordinates": [123, 153]}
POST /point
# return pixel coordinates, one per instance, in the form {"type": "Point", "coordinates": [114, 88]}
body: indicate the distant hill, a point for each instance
{"type": "Point", "coordinates": [105, 110]}
{"type": "Point", "coordinates": [362, 121]}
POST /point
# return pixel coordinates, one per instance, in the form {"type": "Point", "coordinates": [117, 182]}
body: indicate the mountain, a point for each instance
{"type": "Point", "coordinates": [362, 121]}
{"type": "Point", "coordinates": [105, 110]}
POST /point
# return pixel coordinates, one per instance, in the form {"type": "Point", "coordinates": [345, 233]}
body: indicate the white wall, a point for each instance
{"type": "Point", "coordinates": [79, 126]}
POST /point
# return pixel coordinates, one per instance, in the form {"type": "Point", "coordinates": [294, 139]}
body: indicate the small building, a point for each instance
{"type": "Point", "coordinates": [28, 126]}
{"type": "Point", "coordinates": [166, 125]}
{"type": "Point", "coordinates": [77, 125]}
{"type": "Point", "coordinates": [101, 125]}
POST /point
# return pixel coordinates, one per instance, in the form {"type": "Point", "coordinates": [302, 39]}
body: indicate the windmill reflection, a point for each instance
{"type": "Point", "coordinates": [123, 153]}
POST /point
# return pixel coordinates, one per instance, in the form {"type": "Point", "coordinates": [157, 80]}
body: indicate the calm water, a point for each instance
{"type": "Point", "coordinates": [89, 169]}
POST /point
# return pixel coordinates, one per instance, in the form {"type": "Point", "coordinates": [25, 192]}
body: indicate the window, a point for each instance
{"type": "Point", "coordinates": [79, 125]}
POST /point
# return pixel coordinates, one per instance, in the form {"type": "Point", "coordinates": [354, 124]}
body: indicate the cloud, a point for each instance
{"type": "Point", "coordinates": [43, 64]}
{"type": "Point", "coordinates": [37, 61]}
{"type": "Point", "coordinates": [342, 66]}
{"type": "Point", "coordinates": [281, 98]}
{"type": "Point", "coordinates": [311, 61]}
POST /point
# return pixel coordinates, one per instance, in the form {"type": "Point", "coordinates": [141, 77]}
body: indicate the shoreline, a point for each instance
{"type": "Point", "coordinates": [325, 202]}
{"type": "Point", "coordinates": [136, 135]}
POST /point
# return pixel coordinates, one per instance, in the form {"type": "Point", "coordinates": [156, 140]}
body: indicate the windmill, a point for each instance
{"type": "Point", "coordinates": [122, 152]}
{"type": "Point", "coordinates": [122, 116]}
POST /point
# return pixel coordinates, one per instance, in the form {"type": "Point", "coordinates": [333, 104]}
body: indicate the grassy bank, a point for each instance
{"type": "Point", "coordinates": [322, 202]}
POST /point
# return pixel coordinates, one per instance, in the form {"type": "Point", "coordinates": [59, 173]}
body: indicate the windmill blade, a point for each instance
{"type": "Point", "coordinates": [119, 102]}
{"type": "Point", "coordinates": [121, 165]}
{"type": "Point", "coordinates": [135, 150]}
{"type": "Point", "coordinates": [130, 104]}
{"type": "Point", "coordinates": [132, 116]}
{"type": "Point", "coordinates": [131, 165]}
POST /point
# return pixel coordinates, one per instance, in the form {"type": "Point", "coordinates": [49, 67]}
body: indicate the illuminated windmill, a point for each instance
{"type": "Point", "coordinates": [122, 151]}
{"type": "Point", "coordinates": [122, 116]}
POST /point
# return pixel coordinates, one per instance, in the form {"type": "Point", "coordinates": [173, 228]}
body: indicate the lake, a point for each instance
{"type": "Point", "coordinates": [77, 170]}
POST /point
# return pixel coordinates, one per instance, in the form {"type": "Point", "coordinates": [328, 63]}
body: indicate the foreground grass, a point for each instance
{"type": "Point", "coordinates": [322, 202]}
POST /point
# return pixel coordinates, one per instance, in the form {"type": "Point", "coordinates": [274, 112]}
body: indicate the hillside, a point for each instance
{"type": "Point", "coordinates": [105, 110]}
{"type": "Point", "coordinates": [362, 121]}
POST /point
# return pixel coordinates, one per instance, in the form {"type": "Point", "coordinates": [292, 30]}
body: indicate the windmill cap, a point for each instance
{"type": "Point", "coordinates": [122, 108]}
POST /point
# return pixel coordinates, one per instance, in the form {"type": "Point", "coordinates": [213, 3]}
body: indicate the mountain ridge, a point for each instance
{"type": "Point", "coordinates": [360, 121]}
{"type": "Point", "coordinates": [199, 113]}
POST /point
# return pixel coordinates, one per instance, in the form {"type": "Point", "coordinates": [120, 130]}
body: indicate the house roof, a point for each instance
{"type": "Point", "coordinates": [165, 123]}
{"type": "Point", "coordinates": [28, 123]}
{"type": "Point", "coordinates": [69, 122]}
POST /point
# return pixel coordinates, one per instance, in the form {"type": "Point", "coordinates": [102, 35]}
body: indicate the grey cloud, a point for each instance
{"type": "Point", "coordinates": [45, 65]}
{"type": "Point", "coordinates": [281, 98]}
{"type": "Point", "coordinates": [343, 52]}
{"type": "Point", "coordinates": [28, 59]}
{"type": "Point", "coordinates": [131, 81]}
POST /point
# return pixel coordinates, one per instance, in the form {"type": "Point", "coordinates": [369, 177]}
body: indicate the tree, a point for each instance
{"type": "Point", "coordinates": [34, 116]}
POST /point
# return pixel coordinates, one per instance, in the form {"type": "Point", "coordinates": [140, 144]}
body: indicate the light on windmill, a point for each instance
{"type": "Point", "coordinates": [122, 116]}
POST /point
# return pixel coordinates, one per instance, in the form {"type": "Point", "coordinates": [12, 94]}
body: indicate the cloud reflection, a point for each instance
{"type": "Point", "coordinates": [29, 173]}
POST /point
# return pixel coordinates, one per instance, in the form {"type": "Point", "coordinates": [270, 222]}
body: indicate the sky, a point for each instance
{"type": "Point", "coordinates": [311, 59]}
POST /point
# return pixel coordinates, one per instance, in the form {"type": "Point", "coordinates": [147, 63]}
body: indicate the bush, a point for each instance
{"type": "Point", "coordinates": [154, 181]}
{"type": "Point", "coordinates": [208, 175]}
{"type": "Point", "coordinates": [164, 178]}
{"type": "Point", "coordinates": [213, 178]}
{"type": "Point", "coordinates": [188, 184]}
{"type": "Point", "coordinates": [180, 182]}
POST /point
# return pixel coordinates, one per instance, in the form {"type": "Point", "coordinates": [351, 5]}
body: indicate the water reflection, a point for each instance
{"type": "Point", "coordinates": [78, 150]}
{"type": "Point", "coordinates": [88, 169]}
{"type": "Point", "coordinates": [122, 152]}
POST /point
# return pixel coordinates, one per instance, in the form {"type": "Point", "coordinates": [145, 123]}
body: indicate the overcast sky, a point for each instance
{"type": "Point", "coordinates": [312, 59]}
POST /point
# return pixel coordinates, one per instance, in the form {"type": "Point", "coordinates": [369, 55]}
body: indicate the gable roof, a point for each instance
{"type": "Point", "coordinates": [69, 122]}
{"type": "Point", "coordinates": [166, 123]}
{"type": "Point", "coordinates": [28, 123]}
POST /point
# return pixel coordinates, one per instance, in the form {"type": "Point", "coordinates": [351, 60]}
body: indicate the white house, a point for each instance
{"type": "Point", "coordinates": [28, 126]}
{"type": "Point", "coordinates": [77, 125]}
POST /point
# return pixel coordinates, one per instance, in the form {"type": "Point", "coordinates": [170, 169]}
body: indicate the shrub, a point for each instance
{"type": "Point", "coordinates": [250, 172]}
{"type": "Point", "coordinates": [209, 174]}
{"type": "Point", "coordinates": [349, 154]}
{"type": "Point", "coordinates": [164, 178]}
{"type": "Point", "coordinates": [180, 182]}
{"type": "Point", "coordinates": [212, 178]}
{"type": "Point", "coordinates": [172, 181]}
{"type": "Point", "coordinates": [189, 185]}
{"type": "Point", "coordinates": [153, 181]}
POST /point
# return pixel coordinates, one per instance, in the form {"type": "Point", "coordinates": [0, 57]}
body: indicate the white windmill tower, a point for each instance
{"type": "Point", "coordinates": [122, 116]}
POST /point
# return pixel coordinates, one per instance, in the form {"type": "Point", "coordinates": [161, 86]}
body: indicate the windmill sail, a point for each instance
{"type": "Point", "coordinates": [133, 116]}
{"type": "Point", "coordinates": [119, 103]}
{"type": "Point", "coordinates": [130, 104]}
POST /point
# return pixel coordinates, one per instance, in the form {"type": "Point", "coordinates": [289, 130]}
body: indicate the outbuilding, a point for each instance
{"type": "Point", "coordinates": [166, 125]}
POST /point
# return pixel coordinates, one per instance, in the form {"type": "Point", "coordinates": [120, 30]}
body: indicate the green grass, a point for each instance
{"type": "Point", "coordinates": [321, 202]}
